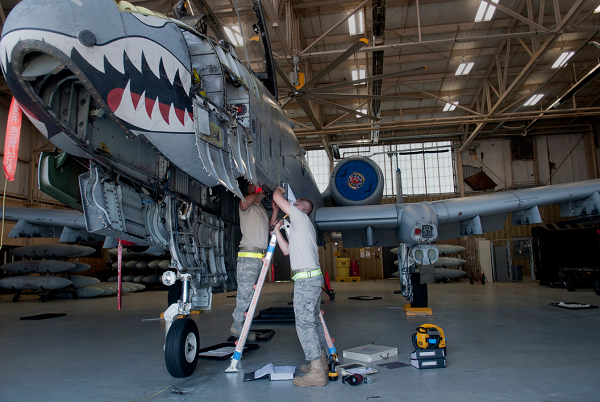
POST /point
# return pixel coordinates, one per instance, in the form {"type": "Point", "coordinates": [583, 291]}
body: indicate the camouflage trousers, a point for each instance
{"type": "Point", "coordinates": [307, 308]}
{"type": "Point", "coordinates": [247, 273]}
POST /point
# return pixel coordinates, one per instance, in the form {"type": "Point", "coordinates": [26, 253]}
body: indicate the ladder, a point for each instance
{"type": "Point", "coordinates": [241, 342]}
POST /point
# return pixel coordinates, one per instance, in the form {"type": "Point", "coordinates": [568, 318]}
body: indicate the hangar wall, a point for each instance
{"type": "Point", "coordinates": [555, 159]}
{"type": "Point", "coordinates": [23, 191]}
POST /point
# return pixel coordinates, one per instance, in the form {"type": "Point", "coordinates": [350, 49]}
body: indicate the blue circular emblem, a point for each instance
{"type": "Point", "coordinates": [356, 180]}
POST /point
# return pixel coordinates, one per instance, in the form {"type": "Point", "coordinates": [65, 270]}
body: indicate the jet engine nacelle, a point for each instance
{"type": "Point", "coordinates": [356, 181]}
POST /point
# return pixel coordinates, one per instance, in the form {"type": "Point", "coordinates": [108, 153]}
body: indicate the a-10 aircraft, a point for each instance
{"type": "Point", "coordinates": [166, 121]}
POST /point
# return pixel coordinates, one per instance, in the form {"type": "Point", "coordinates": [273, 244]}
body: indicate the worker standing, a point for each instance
{"type": "Point", "coordinates": [254, 224]}
{"type": "Point", "coordinates": [308, 281]}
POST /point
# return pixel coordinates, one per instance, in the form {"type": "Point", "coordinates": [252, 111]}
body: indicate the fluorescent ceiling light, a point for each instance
{"type": "Point", "coordinates": [533, 100]}
{"type": "Point", "coordinates": [486, 10]}
{"type": "Point", "coordinates": [363, 111]}
{"type": "Point", "coordinates": [359, 74]}
{"type": "Point", "coordinates": [450, 106]}
{"type": "Point", "coordinates": [233, 33]}
{"type": "Point", "coordinates": [464, 68]}
{"type": "Point", "coordinates": [356, 23]}
{"type": "Point", "coordinates": [597, 10]}
{"type": "Point", "coordinates": [562, 59]}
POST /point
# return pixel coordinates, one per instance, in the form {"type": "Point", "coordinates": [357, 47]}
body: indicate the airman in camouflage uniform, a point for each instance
{"type": "Point", "coordinates": [254, 224]}
{"type": "Point", "coordinates": [304, 261]}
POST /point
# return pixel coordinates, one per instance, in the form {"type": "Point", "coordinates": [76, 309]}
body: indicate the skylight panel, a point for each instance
{"type": "Point", "coordinates": [464, 68]}
{"type": "Point", "coordinates": [450, 106]}
{"type": "Point", "coordinates": [233, 33]}
{"type": "Point", "coordinates": [356, 24]}
{"type": "Point", "coordinates": [486, 10]}
{"type": "Point", "coordinates": [562, 59]}
{"type": "Point", "coordinates": [533, 100]}
{"type": "Point", "coordinates": [359, 74]}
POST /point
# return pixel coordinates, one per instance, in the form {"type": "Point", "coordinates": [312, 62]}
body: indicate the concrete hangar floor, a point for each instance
{"type": "Point", "coordinates": [505, 343]}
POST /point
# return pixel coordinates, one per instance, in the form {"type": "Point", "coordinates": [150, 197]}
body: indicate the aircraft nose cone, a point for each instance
{"type": "Point", "coordinates": [66, 17]}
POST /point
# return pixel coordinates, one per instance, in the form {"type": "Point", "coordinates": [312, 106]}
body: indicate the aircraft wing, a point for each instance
{"type": "Point", "coordinates": [415, 223]}
{"type": "Point", "coordinates": [485, 213]}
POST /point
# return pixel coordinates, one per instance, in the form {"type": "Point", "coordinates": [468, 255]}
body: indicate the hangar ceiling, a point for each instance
{"type": "Point", "coordinates": [416, 46]}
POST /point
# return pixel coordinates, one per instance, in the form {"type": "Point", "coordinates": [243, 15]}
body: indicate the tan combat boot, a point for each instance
{"type": "Point", "coordinates": [305, 368]}
{"type": "Point", "coordinates": [236, 331]}
{"type": "Point", "coordinates": [314, 377]}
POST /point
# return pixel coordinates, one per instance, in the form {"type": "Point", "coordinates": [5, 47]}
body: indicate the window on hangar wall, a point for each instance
{"type": "Point", "coordinates": [427, 168]}
{"type": "Point", "coordinates": [521, 148]}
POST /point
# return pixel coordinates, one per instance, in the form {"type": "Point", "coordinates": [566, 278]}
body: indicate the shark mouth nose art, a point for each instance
{"type": "Point", "coordinates": [123, 102]}
{"type": "Point", "coordinates": [142, 83]}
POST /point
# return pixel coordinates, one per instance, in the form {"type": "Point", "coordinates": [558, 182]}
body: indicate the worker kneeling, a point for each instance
{"type": "Point", "coordinates": [308, 281]}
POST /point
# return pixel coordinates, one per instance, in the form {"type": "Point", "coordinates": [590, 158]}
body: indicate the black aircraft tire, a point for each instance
{"type": "Point", "coordinates": [174, 293]}
{"type": "Point", "coordinates": [597, 286]}
{"type": "Point", "coordinates": [181, 348]}
{"type": "Point", "coordinates": [471, 280]}
{"type": "Point", "coordinates": [419, 291]}
{"type": "Point", "coordinates": [483, 279]}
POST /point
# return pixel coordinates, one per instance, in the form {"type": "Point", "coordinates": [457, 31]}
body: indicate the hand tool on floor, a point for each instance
{"type": "Point", "coordinates": [429, 336]}
{"type": "Point", "coordinates": [333, 374]}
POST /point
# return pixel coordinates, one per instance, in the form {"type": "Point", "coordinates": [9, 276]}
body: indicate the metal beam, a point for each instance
{"type": "Point", "coordinates": [2, 15]}
{"type": "Point", "coordinates": [331, 104]}
{"type": "Point", "coordinates": [483, 38]}
{"type": "Point", "coordinates": [156, 6]}
{"type": "Point", "coordinates": [340, 22]}
{"type": "Point", "coordinates": [525, 47]}
{"type": "Point", "coordinates": [339, 60]}
{"type": "Point", "coordinates": [438, 98]}
{"type": "Point", "coordinates": [362, 96]}
{"type": "Point", "coordinates": [457, 120]}
{"type": "Point", "coordinates": [274, 17]}
{"type": "Point", "coordinates": [369, 79]}
{"type": "Point", "coordinates": [527, 69]}
{"type": "Point", "coordinates": [518, 16]}
{"type": "Point", "coordinates": [214, 23]}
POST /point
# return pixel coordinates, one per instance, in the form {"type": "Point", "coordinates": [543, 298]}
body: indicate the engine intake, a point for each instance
{"type": "Point", "coordinates": [356, 181]}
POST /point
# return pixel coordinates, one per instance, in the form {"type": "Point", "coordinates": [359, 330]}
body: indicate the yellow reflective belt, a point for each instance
{"type": "Point", "coordinates": [251, 255]}
{"type": "Point", "coordinates": [307, 274]}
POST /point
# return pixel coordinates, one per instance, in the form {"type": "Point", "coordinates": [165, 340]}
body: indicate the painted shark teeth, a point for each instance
{"type": "Point", "coordinates": [162, 118]}
{"type": "Point", "coordinates": [135, 47]}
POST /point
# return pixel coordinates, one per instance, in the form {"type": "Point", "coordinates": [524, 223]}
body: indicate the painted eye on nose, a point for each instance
{"type": "Point", "coordinates": [87, 38]}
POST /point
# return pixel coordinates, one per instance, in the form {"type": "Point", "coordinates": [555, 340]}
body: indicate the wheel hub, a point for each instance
{"type": "Point", "coordinates": [191, 347]}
